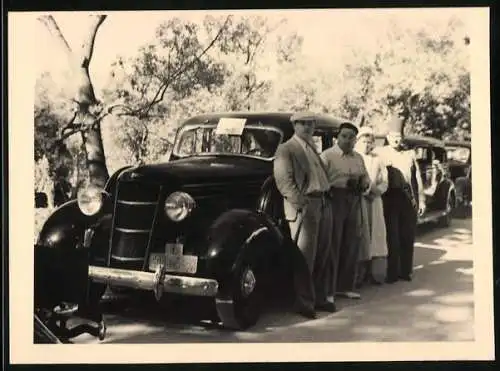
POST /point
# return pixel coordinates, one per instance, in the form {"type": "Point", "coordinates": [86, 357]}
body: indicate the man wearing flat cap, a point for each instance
{"type": "Point", "coordinates": [403, 201]}
{"type": "Point", "coordinates": [348, 180]}
{"type": "Point", "coordinates": [301, 179]}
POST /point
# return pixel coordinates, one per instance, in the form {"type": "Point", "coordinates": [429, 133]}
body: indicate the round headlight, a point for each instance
{"type": "Point", "coordinates": [90, 200]}
{"type": "Point", "coordinates": [178, 206]}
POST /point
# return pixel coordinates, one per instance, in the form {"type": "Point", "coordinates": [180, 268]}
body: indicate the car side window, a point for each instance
{"type": "Point", "coordinates": [188, 144]}
{"type": "Point", "coordinates": [421, 154]}
{"type": "Point", "coordinates": [440, 155]}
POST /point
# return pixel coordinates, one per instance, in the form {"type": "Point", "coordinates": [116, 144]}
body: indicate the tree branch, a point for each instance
{"type": "Point", "coordinates": [70, 125]}
{"type": "Point", "coordinates": [54, 29]}
{"type": "Point", "coordinates": [160, 94]}
{"type": "Point", "coordinates": [88, 44]}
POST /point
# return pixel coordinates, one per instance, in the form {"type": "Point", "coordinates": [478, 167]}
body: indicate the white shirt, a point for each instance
{"type": "Point", "coordinates": [318, 180]}
{"type": "Point", "coordinates": [341, 166]}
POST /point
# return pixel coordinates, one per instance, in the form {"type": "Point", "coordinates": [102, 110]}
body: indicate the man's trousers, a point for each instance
{"type": "Point", "coordinates": [312, 233]}
{"type": "Point", "coordinates": [401, 222]}
{"type": "Point", "coordinates": [347, 238]}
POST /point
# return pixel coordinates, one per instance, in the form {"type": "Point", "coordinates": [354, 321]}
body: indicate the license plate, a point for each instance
{"type": "Point", "coordinates": [174, 260]}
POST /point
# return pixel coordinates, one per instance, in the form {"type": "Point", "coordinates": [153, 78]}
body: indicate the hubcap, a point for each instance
{"type": "Point", "coordinates": [248, 282]}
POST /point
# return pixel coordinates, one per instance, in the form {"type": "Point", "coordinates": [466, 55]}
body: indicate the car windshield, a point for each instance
{"type": "Point", "coordinates": [460, 154]}
{"type": "Point", "coordinates": [228, 136]}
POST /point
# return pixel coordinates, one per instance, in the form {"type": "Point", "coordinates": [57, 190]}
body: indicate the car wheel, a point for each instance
{"type": "Point", "coordinates": [242, 309]}
{"type": "Point", "coordinates": [445, 221]}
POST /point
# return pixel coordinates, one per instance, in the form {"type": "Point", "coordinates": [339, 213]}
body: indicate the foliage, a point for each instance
{"type": "Point", "coordinates": [251, 62]}
{"type": "Point", "coordinates": [421, 74]}
{"type": "Point", "coordinates": [190, 68]}
{"type": "Point", "coordinates": [53, 161]}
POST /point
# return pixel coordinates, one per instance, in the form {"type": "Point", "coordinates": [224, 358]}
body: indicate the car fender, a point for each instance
{"type": "Point", "coordinates": [238, 235]}
{"type": "Point", "coordinates": [66, 226]}
{"type": "Point", "coordinates": [61, 262]}
{"type": "Point", "coordinates": [445, 189]}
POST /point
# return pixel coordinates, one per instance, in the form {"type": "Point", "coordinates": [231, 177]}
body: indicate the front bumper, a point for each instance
{"type": "Point", "coordinates": [158, 282]}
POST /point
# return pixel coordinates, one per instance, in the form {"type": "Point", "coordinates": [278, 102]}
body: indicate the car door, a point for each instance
{"type": "Point", "coordinates": [425, 156]}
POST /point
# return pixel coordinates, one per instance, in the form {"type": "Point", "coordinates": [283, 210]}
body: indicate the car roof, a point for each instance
{"type": "Point", "coordinates": [457, 143]}
{"type": "Point", "coordinates": [324, 121]}
{"type": "Point", "coordinates": [419, 139]}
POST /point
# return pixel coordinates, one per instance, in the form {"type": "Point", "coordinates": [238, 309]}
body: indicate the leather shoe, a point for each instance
{"type": "Point", "coordinates": [326, 307]}
{"type": "Point", "coordinates": [406, 277]}
{"type": "Point", "coordinates": [390, 280]}
{"type": "Point", "coordinates": [305, 312]}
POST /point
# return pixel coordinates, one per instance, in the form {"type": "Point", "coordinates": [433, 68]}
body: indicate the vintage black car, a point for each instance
{"type": "Point", "coordinates": [439, 189]}
{"type": "Point", "coordinates": [208, 223]}
{"type": "Point", "coordinates": [460, 165]}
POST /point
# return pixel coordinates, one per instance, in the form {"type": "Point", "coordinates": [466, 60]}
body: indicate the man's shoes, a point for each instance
{"type": "Point", "coordinates": [406, 277]}
{"type": "Point", "coordinates": [373, 281]}
{"type": "Point", "coordinates": [326, 307]}
{"type": "Point", "coordinates": [349, 295]}
{"type": "Point", "coordinates": [390, 280]}
{"type": "Point", "coordinates": [305, 312]}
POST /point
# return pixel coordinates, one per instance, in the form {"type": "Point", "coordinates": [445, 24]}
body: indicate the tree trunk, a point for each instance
{"type": "Point", "coordinates": [84, 96]}
{"type": "Point", "coordinates": [94, 150]}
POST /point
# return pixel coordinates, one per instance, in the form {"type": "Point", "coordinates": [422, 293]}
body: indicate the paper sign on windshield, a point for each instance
{"type": "Point", "coordinates": [230, 126]}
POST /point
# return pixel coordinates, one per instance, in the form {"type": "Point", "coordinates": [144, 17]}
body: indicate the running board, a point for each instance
{"type": "Point", "coordinates": [432, 216]}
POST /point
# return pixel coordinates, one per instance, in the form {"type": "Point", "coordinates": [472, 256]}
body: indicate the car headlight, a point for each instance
{"type": "Point", "coordinates": [90, 200]}
{"type": "Point", "coordinates": [179, 205]}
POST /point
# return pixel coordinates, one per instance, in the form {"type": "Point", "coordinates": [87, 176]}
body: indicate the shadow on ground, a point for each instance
{"type": "Point", "coordinates": [438, 305]}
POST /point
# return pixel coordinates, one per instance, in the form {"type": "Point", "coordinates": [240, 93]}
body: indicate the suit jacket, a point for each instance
{"type": "Point", "coordinates": [291, 173]}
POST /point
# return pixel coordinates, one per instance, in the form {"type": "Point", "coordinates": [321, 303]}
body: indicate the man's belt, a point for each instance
{"type": "Point", "coordinates": [344, 190]}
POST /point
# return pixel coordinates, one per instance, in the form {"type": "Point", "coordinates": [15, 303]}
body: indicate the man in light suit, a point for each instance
{"type": "Point", "coordinates": [302, 180]}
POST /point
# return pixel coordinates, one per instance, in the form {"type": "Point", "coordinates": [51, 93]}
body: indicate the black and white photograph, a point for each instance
{"type": "Point", "coordinates": [250, 186]}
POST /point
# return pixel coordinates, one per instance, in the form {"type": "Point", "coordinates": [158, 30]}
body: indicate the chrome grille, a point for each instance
{"type": "Point", "coordinates": [134, 216]}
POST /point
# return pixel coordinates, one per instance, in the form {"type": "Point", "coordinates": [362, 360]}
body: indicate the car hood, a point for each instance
{"type": "Point", "coordinates": [197, 169]}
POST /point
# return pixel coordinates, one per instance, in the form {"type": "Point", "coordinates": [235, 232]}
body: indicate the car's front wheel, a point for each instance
{"type": "Point", "coordinates": [242, 307]}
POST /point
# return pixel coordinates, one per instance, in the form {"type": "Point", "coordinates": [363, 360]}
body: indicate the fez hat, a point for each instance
{"type": "Point", "coordinates": [348, 125]}
{"type": "Point", "coordinates": [395, 124]}
{"type": "Point", "coordinates": [365, 130]}
{"type": "Point", "coordinates": [303, 117]}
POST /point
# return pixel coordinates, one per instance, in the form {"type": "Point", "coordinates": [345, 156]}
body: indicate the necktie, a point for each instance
{"type": "Point", "coordinates": [322, 165]}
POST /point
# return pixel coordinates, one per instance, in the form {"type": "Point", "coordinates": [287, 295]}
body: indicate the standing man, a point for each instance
{"type": "Point", "coordinates": [348, 179]}
{"type": "Point", "coordinates": [301, 179]}
{"type": "Point", "coordinates": [403, 201]}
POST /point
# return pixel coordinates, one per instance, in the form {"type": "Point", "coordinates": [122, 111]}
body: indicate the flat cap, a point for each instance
{"type": "Point", "coordinates": [349, 125]}
{"type": "Point", "coordinates": [304, 116]}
